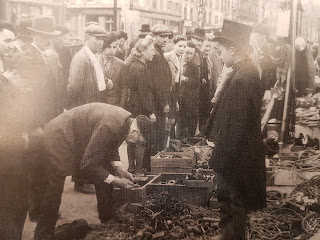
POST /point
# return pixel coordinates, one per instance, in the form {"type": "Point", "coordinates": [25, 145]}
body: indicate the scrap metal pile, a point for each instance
{"type": "Point", "coordinates": [161, 217]}
{"type": "Point", "coordinates": [295, 217]}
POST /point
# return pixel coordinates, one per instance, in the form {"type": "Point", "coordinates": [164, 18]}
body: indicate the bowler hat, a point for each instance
{"type": "Point", "coordinates": [199, 33]}
{"type": "Point", "coordinates": [95, 30]}
{"type": "Point", "coordinates": [161, 29]}
{"type": "Point", "coordinates": [110, 38]}
{"type": "Point", "coordinates": [8, 26]}
{"type": "Point", "coordinates": [145, 28]}
{"type": "Point", "coordinates": [44, 25]}
{"type": "Point", "coordinates": [22, 29]}
{"type": "Point", "coordinates": [235, 34]}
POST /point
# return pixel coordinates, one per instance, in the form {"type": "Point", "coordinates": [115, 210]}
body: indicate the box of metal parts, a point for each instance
{"type": "Point", "coordinates": [173, 162]}
{"type": "Point", "coordinates": [182, 186]}
{"type": "Point", "coordinates": [133, 195]}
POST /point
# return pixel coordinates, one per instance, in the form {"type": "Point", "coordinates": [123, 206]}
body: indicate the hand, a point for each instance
{"type": "Point", "coordinates": [204, 81]}
{"type": "Point", "coordinates": [109, 84]}
{"type": "Point", "coordinates": [123, 183]}
{"type": "Point", "coordinates": [25, 138]}
{"type": "Point", "coordinates": [166, 109]}
{"type": "Point", "coordinates": [123, 173]}
{"type": "Point", "coordinates": [153, 118]}
{"type": "Point", "coordinates": [177, 107]}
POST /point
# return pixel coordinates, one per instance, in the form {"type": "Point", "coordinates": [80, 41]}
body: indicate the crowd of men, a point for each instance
{"type": "Point", "coordinates": [57, 122]}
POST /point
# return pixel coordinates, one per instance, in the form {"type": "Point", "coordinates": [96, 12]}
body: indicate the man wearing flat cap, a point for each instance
{"type": "Point", "coordinates": [86, 79]}
{"type": "Point", "coordinates": [114, 70]}
{"type": "Point", "coordinates": [161, 77]}
{"type": "Point", "coordinates": [85, 140]}
{"type": "Point", "coordinates": [234, 126]}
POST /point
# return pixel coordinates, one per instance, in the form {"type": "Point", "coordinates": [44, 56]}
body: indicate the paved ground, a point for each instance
{"type": "Point", "coordinates": [75, 205]}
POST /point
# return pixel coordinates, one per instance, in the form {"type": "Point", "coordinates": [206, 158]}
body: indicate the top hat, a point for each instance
{"type": "Point", "coordinates": [235, 34]}
{"type": "Point", "coordinates": [22, 29]}
{"type": "Point", "coordinates": [44, 25]}
{"type": "Point", "coordinates": [199, 33]}
{"type": "Point", "coordinates": [8, 26]}
{"type": "Point", "coordinates": [145, 28]}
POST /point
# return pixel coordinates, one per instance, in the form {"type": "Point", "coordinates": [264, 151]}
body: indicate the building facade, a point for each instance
{"type": "Point", "coordinates": [17, 10]}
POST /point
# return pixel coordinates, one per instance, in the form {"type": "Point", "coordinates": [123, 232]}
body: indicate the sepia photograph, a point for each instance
{"type": "Point", "coordinates": [159, 119]}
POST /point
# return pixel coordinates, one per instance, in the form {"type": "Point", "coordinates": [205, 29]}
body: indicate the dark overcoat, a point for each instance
{"type": "Point", "coordinates": [141, 101]}
{"type": "Point", "coordinates": [42, 75]}
{"type": "Point", "coordinates": [235, 127]}
{"type": "Point", "coordinates": [161, 78]}
{"type": "Point", "coordinates": [85, 140]}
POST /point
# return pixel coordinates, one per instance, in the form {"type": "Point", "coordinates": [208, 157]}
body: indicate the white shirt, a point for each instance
{"type": "Point", "coordinates": [97, 66]}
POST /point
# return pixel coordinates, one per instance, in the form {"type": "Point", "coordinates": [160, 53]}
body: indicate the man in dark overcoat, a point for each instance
{"type": "Point", "coordinates": [41, 72]}
{"type": "Point", "coordinates": [161, 78]}
{"type": "Point", "coordinates": [189, 95]}
{"type": "Point", "coordinates": [85, 140]}
{"type": "Point", "coordinates": [200, 59]}
{"type": "Point", "coordinates": [234, 125]}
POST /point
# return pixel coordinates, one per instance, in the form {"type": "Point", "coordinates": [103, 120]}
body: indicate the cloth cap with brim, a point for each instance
{"type": "Point", "coordinates": [44, 25]}
{"type": "Point", "coordinates": [199, 33]}
{"type": "Point", "coordinates": [110, 38]}
{"type": "Point", "coordinates": [235, 34]}
{"type": "Point", "coordinates": [63, 29]}
{"type": "Point", "coordinates": [96, 30]}
{"type": "Point", "coordinates": [161, 29]}
{"type": "Point", "coordinates": [8, 26]}
{"type": "Point", "coordinates": [22, 29]}
{"type": "Point", "coordinates": [146, 128]}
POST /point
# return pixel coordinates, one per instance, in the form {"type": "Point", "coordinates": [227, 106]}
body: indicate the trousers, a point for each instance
{"type": "Point", "coordinates": [49, 210]}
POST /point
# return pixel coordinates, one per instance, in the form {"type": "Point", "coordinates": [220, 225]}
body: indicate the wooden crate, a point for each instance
{"type": "Point", "coordinates": [176, 162]}
{"type": "Point", "coordinates": [196, 192]}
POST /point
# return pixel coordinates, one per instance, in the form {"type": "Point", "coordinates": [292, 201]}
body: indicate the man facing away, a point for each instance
{"type": "Point", "coordinates": [85, 141]}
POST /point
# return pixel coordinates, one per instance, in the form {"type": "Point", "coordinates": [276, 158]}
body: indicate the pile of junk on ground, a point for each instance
{"type": "Point", "coordinates": [178, 200]}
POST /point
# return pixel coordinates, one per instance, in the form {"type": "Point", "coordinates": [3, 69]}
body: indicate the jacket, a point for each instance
{"type": "Point", "coordinates": [139, 82]}
{"type": "Point", "coordinates": [234, 125]}
{"type": "Point", "coordinates": [117, 72]}
{"type": "Point", "coordinates": [85, 140]}
{"type": "Point", "coordinates": [83, 86]}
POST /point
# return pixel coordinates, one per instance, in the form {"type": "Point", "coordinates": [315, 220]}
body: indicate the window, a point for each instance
{"type": "Point", "coordinates": [169, 7]}
{"type": "Point", "coordinates": [210, 18]}
{"type": "Point", "coordinates": [185, 13]}
{"type": "Point", "coordinates": [154, 3]}
{"type": "Point", "coordinates": [191, 14]}
{"type": "Point", "coordinates": [161, 4]}
{"type": "Point", "coordinates": [177, 7]}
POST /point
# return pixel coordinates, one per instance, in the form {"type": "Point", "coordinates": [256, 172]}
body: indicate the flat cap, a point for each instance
{"type": "Point", "coordinates": [63, 29]}
{"type": "Point", "coordinates": [111, 37]}
{"type": "Point", "coordinates": [95, 30]}
{"type": "Point", "coordinates": [161, 29]}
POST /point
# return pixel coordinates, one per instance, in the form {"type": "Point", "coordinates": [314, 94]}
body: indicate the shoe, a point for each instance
{"type": "Point", "coordinates": [84, 188]}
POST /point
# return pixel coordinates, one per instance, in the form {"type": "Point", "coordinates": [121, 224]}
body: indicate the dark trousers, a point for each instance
{"type": "Point", "coordinates": [233, 214]}
{"type": "Point", "coordinates": [187, 123]}
{"type": "Point", "coordinates": [49, 211]}
{"type": "Point", "coordinates": [13, 206]}
{"type": "Point", "coordinates": [159, 133]}
{"type": "Point", "coordinates": [139, 157]}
